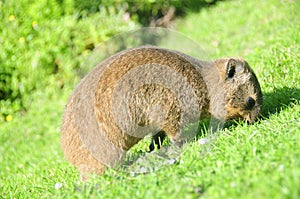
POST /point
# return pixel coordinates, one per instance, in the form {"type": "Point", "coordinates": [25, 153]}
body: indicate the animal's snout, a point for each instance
{"type": "Point", "coordinates": [250, 103]}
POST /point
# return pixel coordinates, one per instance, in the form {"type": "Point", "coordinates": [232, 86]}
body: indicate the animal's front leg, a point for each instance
{"type": "Point", "coordinates": [157, 140]}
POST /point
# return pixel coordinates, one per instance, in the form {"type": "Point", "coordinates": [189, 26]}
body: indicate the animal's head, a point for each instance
{"type": "Point", "coordinates": [242, 92]}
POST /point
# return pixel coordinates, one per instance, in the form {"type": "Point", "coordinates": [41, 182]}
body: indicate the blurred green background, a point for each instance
{"type": "Point", "coordinates": [43, 43]}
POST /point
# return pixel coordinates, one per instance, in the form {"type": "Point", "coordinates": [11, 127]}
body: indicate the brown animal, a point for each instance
{"type": "Point", "coordinates": [148, 90]}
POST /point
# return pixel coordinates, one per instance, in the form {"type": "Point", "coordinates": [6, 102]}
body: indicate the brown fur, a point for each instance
{"type": "Point", "coordinates": [90, 108]}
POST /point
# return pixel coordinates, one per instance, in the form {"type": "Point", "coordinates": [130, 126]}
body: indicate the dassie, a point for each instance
{"type": "Point", "coordinates": [149, 90]}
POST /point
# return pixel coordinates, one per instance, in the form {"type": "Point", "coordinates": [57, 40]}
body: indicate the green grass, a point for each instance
{"type": "Point", "coordinates": [247, 161]}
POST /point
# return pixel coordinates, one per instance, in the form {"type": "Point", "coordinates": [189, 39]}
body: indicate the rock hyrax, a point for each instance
{"type": "Point", "coordinates": [148, 90]}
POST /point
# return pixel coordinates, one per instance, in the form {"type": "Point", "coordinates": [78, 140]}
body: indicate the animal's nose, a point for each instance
{"type": "Point", "coordinates": [250, 103]}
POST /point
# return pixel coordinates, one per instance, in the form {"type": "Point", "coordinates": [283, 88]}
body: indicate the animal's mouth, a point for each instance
{"type": "Point", "coordinates": [246, 117]}
{"type": "Point", "coordinates": [249, 119]}
{"type": "Point", "coordinates": [241, 114]}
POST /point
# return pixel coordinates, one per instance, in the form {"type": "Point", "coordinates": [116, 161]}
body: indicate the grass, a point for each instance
{"type": "Point", "coordinates": [246, 161]}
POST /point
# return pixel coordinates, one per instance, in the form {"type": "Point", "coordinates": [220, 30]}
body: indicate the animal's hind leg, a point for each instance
{"type": "Point", "coordinates": [157, 140]}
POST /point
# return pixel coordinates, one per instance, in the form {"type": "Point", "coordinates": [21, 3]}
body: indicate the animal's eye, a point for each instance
{"type": "Point", "coordinates": [250, 103]}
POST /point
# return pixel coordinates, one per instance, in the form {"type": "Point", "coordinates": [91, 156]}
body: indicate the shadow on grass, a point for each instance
{"type": "Point", "coordinates": [278, 100]}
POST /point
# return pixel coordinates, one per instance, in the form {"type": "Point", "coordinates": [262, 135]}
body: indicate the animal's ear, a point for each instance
{"type": "Point", "coordinates": [233, 67]}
